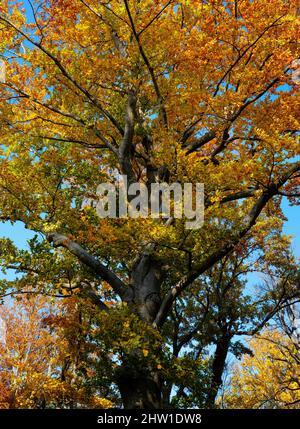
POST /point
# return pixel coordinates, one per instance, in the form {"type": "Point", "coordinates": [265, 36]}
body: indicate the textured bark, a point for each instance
{"type": "Point", "coordinates": [146, 282]}
{"type": "Point", "coordinates": [140, 390]}
{"type": "Point", "coordinates": [140, 387]}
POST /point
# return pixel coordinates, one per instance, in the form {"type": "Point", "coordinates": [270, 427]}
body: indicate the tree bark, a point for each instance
{"type": "Point", "coordinates": [146, 281]}
{"type": "Point", "coordinates": [139, 385]}
{"type": "Point", "coordinates": [140, 389]}
{"type": "Point", "coordinates": [218, 366]}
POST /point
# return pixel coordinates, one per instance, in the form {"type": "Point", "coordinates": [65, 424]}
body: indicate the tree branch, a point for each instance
{"type": "Point", "coordinates": [65, 73]}
{"type": "Point", "coordinates": [125, 149]}
{"type": "Point", "coordinates": [147, 63]}
{"type": "Point", "coordinates": [206, 138]}
{"type": "Point", "coordinates": [54, 109]}
{"type": "Point", "coordinates": [155, 18]}
{"type": "Point", "coordinates": [248, 222]}
{"type": "Point", "coordinates": [244, 53]}
{"type": "Point", "coordinates": [97, 267]}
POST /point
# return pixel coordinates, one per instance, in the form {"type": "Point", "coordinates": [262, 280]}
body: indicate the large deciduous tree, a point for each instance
{"type": "Point", "coordinates": [159, 91]}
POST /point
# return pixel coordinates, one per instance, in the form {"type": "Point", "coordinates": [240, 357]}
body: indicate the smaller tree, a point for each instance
{"type": "Point", "coordinates": [270, 377]}
{"type": "Point", "coordinates": [37, 367]}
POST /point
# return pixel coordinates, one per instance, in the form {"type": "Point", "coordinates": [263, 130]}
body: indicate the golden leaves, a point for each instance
{"type": "Point", "coordinates": [266, 378]}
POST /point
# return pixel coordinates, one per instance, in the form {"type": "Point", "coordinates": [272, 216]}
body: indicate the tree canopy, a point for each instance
{"type": "Point", "coordinates": [162, 92]}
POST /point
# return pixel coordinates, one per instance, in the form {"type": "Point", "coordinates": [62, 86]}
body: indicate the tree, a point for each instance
{"type": "Point", "coordinates": [223, 308]}
{"type": "Point", "coordinates": [159, 91]}
{"type": "Point", "coordinates": [38, 368]}
{"type": "Point", "coordinates": [269, 378]}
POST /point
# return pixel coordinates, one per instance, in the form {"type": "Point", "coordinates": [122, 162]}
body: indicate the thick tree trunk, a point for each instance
{"type": "Point", "coordinates": [146, 281]}
{"type": "Point", "coordinates": [140, 386]}
{"type": "Point", "coordinates": [218, 366]}
{"type": "Point", "coordinates": [140, 390]}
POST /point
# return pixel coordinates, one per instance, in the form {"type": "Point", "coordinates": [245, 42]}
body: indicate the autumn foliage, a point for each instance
{"type": "Point", "coordinates": [164, 91]}
{"type": "Point", "coordinates": [38, 367]}
{"type": "Point", "coordinates": [270, 377]}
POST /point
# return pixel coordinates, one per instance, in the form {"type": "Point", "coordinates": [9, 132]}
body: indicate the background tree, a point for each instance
{"type": "Point", "coordinates": [38, 367]}
{"type": "Point", "coordinates": [198, 92]}
{"type": "Point", "coordinates": [269, 378]}
{"type": "Point", "coordinates": [224, 307]}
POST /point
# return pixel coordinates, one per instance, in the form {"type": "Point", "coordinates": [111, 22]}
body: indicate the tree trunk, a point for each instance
{"type": "Point", "coordinates": [218, 366]}
{"type": "Point", "coordinates": [140, 386]}
{"type": "Point", "coordinates": [146, 280]}
{"type": "Point", "coordinates": [140, 390]}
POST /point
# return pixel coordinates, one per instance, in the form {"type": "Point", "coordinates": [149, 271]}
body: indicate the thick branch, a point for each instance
{"type": "Point", "coordinates": [97, 267]}
{"type": "Point", "coordinates": [206, 138]}
{"type": "Point", "coordinates": [92, 295]}
{"type": "Point", "coordinates": [125, 149]}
